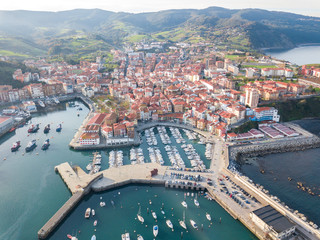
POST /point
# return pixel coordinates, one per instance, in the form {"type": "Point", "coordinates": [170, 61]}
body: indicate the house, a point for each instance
{"type": "Point", "coordinates": [89, 138]}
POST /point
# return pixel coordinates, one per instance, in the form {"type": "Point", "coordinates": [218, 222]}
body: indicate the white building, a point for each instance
{"type": "Point", "coordinates": [89, 138]}
{"type": "Point", "coordinates": [272, 223]}
{"type": "Point", "coordinates": [268, 72]}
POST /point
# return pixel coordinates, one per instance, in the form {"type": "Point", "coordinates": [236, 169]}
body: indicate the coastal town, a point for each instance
{"type": "Point", "coordinates": [191, 89]}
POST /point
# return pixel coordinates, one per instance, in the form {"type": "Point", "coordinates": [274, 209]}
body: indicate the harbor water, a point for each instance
{"type": "Point", "coordinates": [31, 191]}
{"type": "Point", "coordinates": [284, 171]}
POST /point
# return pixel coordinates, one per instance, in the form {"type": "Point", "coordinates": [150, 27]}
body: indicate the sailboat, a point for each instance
{"type": "Point", "coordinates": [208, 216]}
{"type": "Point", "coordinates": [140, 218]}
{"type": "Point", "coordinates": [183, 222]}
{"type": "Point", "coordinates": [196, 201]}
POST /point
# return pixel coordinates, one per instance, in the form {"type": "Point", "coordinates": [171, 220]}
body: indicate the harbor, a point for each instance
{"type": "Point", "coordinates": [182, 180]}
{"type": "Point", "coordinates": [218, 180]}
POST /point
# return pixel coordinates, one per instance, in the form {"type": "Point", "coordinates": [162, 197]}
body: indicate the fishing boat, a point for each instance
{"type": "Point", "coordinates": [140, 237]}
{"type": "Point", "coordinates": [31, 145]}
{"type": "Point", "coordinates": [87, 213]}
{"type": "Point", "coordinates": [93, 212]}
{"type": "Point", "coordinates": [183, 222]}
{"type": "Point", "coordinates": [127, 235]}
{"type": "Point", "coordinates": [155, 230]}
{"type": "Point", "coordinates": [95, 222]}
{"type": "Point", "coordinates": [140, 218]}
{"type": "Point", "coordinates": [15, 146]}
{"type": "Point", "coordinates": [183, 203]}
{"type": "Point", "coordinates": [154, 215]}
{"type": "Point", "coordinates": [93, 237]}
{"type": "Point", "coordinates": [33, 128]}
{"type": "Point", "coordinates": [45, 145]}
{"type": "Point", "coordinates": [194, 224]}
{"type": "Point", "coordinates": [102, 204]}
{"type": "Point", "coordinates": [208, 216]}
{"type": "Point", "coordinates": [169, 223]}
{"type": "Point", "coordinates": [59, 127]}
{"type": "Point", "coordinates": [46, 128]}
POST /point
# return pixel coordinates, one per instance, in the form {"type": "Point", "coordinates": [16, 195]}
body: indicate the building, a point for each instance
{"type": "Point", "coordinates": [36, 90]}
{"type": "Point", "coordinates": [89, 138]}
{"type": "Point", "coordinates": [5, 124]}
{"type": "Point", "coordinates": [252, 97]}
{"type": "Point", "coordinates": [265, 114]}
{"type": "Point", "coordinates": [272, 223]}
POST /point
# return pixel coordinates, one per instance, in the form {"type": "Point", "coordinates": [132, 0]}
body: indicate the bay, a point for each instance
{"type": "Point", "coordinates": [301, 55]}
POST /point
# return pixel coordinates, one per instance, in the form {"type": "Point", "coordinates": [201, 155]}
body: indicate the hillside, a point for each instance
{"type": "Point", "coordinates": [82, 32]}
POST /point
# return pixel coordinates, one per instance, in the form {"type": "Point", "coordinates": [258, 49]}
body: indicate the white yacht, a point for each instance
{"type": "Point", "coordinates": [155, 230]}
{"type": "Point", "coordinates": [169, 224]}
{"type": "Point", "coordinates": [154, 215]}
{"type": "Point", "coordinates": [184, 204]}
{"type": "Point", "coordinates": [194, 224]}
{"type": "Point", "coordinates": [208, 216]}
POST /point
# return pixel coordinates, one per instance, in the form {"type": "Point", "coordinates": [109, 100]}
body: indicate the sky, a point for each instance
{"type": "Point", "coordinates": [306, 7]}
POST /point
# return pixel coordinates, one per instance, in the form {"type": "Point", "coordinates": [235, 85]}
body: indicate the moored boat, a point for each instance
{"type": "Point", "coordinates": [87, 213]}
{"type": "Point", "coordinates": [46, 128]}
{"type": "Point", "coordinates": [102, 204]}
{"type": "Point", "coordinates": [183, 203]}
{"type": "Point", "coordinates": [154, 215]}
{"type": "Point", "coordinates": [93, 212]}
{"type": "Point", "coordinates": [208, 216]}
{"type": "Point", "coordinates": [93, 237]}
{"type": "Point", "coordinates": [140, 237]}
{"type": "Point", "coordinates": [193, 224]}
{"type": "Point", "coordinates": [140, 218]}
{"type": "Point", "coordinates": [196, 202]}
{"type": "Point", "coordinates": [59, 127]}
{"type": "Point", "coordinates": [33, 128]}
{"type": "Point", "coordinates": [127, 236]}
{"type": "Point", "coordinates": [169, 223]}
{"type": "Point", "coordinates": [183, 222]}
{"type": "Point", "coordinates": [15, 146]}
{"type": "Point", "coordinates": [45, 145]}
{"type": "Point", "coordinates": [95, 222]}
{"type": "Point", "coordinates": [31, 145]}
{"type": "Point", "coordinates": [155, 230]}
{"type": "Point", "coordinates": [41, 104]}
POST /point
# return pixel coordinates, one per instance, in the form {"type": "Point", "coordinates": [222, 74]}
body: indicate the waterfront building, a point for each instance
{"type": "Point", "coordinates": [252, 97]}
{"type": "Point", "coordinates": [29, 106]}
{"type": "Point", "coordinates": [273, 223]}
{"type": "Point", "coordinates": [264, 114]}
{"type": "Point", "coordinates": [5, 124]}
{"type": "Point", "coordinates": [36, 90]}
{"type": "Point", "coordinates": [89, 138]}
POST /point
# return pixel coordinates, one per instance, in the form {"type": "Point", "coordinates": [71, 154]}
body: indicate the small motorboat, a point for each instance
{"type": "Point", "coordinates": [123, 236]}
{"type": "Point", "coordinates": [31, 145]}
{"type": "Point", "coordinates": [163, 212]}
{"type": "Point", "coordinates": [193, 224]}
{"type": "Point", "coordinates": [87, 213]}
{"type": "Point", "coordinates": [102, 204]}
{"type": "Point", "coordinates": [169, 224]}
{"type": "Point", "coordinates": [127, 235]}
{"type": "Point", "coordinates": [154, 215]}
{"type": "Point", "coordinates": [155, 230]}
{"type": "Point", "coordinates": [184, 204]}
{"type": "Point", "coordinates": [93, 237]}
{"type": "Point", "coordinates": [59, 127]}
{"type": "Point", "coordinates": [95, 222]}
{"type": "Point", "coordinates": [140, 237]}
{"type": "Point", "coordinates": [196, 202]}
{"type": "Point", "coordinates": [93, 212]}
{"type": "Point", "coordinates": [208, 216]}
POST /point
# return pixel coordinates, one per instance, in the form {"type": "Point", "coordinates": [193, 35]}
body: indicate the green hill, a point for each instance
{"type": "Point", "coordinates": [82, 32]}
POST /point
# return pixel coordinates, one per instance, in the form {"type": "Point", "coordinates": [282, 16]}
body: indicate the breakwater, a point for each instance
{"type": "Point", "coordinates": [236, 153]}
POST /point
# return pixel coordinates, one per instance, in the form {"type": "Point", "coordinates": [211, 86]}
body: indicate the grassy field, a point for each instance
{"type": "Point", "coordinates": [136, 38]}
{"type": "Point", "coordinates": [259, 66]}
